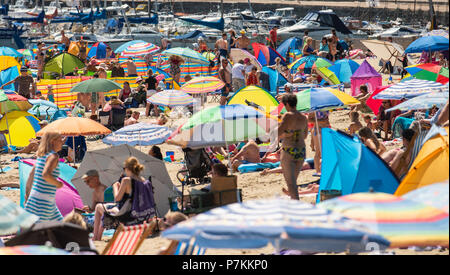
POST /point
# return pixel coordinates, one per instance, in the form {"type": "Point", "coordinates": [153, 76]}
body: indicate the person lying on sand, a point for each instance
{"type": "Point", "coordinates": [248, 154]}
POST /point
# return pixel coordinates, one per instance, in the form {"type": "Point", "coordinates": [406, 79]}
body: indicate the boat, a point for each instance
{"type": "Point", "coordinates": [284, 17]}
{"type": "Point", "coordinates": [318, 24]}
{"type": "Point", "coordinates": [402, 31]}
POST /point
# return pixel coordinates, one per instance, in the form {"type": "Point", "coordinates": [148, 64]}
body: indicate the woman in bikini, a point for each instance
{"type": "Point", "coordinates": [322, 122]}
{"type": "Point", "coordinates": [293, 131]}
{"type": "Point", "coordinates": [370, 140]}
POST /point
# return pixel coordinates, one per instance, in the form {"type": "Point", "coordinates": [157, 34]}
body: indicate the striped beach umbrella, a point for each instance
{"type": "Point", "coordinates": [142, 134]}
{"type": "Point", "coordinates": [422, 102]}
{"type": "Point", "coordinates": [403, 222]}
{"type": "Point", "coordinates": [310, 62]}
{"type": "Point", "coordinates": [429, 71]}
{"type": "Point", "coordinates": [140, 49]}
{"type": "Point", "coordinates": [283, 223]}
{"type": "Point", "coordinates": [122, 47]}
{"type": "Point", "coordinates": [435, 195]}
{"type": "Point", "coordinates": [171, 98]}
{"type": "Point", "coordinates": [200, 85]}
{"type": "Point", "coordinates": [410, 89]}
{"type": "Point", "coordinates": [13, 218]}
{"type": "Point", "coordinates": [187, 54]}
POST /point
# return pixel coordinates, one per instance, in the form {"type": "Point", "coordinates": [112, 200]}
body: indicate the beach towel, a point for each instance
{"type": "Point", "coordinates": [254, 167]}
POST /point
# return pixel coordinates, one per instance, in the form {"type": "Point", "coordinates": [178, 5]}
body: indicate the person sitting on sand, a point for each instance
{"type": "Point", "coordinates": [92, 179]}
{"type": "Point", "coordinates": [393, 157]}
{"type": "Point", "coordinates": [368, 121]}
{"type": "Point", "coordinates": [362, 97]}
{"type": "Point", "coordinates": [133, 119]}
{"type": "Point", "coordinates": [370, 140]}
{"type": "Point", "coordinates": [248, 154]}
{"type": "Point", "coordinates": [356, 124]}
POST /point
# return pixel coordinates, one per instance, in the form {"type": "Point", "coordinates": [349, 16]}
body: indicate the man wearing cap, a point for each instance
{"type": "Point", "coordinates": [92, 179]}
{"type": "Point", "coordinates": [243, 42]}
{"type": "Point", "coordinates": [24, 84]}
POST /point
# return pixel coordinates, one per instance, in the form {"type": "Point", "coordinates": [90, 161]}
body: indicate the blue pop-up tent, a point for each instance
{"type": "Point", "coordinates": [351, 167]}
{"type": "Point", "coordinates": [276, 79]}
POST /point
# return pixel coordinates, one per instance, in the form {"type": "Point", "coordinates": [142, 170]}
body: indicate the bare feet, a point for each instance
{"type": "Point", "coordinates": [264, 172]}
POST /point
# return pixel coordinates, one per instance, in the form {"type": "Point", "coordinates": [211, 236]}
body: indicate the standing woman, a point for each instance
{"type": "Point", "coordinates": [293, 131]}
{"type": "Point", "coordinates": [42, 184]}
{"type": "Point", "coordinates": [322, 122]}
{"type": "Point", "coordinates": [231, 41]}
{"type": "Point", "coordinates": [175, 63]}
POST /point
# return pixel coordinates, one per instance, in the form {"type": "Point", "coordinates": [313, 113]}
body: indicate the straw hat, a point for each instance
{"type": "Point", "coordinates": [242, 31]}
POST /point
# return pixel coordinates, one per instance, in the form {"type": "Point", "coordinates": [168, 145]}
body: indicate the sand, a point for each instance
{"type": "Point", "coordinates": [253, 186]}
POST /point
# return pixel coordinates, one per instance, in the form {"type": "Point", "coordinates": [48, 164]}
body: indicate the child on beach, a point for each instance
{"type": "Point", "coordinates": [356, 124]}
{"type": "Point", "coordinates": [368, 121]}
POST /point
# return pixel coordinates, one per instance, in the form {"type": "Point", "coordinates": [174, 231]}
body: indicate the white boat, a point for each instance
{"type": "Point", "coordinates": [402, 31]}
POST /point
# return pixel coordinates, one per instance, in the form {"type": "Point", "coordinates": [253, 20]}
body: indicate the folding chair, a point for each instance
{"type": "Point", "coordinates": [183, 248]}
{"type": "Point", "coordinates": [128, 239]}
{"type": "Point", "coordinates": [104, 118]}
{"type": "Point", "coordinates": [413, 148]}
{"type": "Point", "coordinates": [215, 97]}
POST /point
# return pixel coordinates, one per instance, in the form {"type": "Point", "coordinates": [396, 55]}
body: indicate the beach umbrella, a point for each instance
{"type": "Point", "coordinates": [403, 222]}
{"type": "Point", "coordinates": [201, 85]}
{"type": "Point", "coordinates": [254, 96]}
{"type": "Point", "coordinates": [310, 62]}
{"type": "Point", "coordinates": [374, 104]}
{"type": "Point", "coordinates": [13, 218]}
{"type": "Point", "coordinates": [26, 52]}
{"type": "Point", "coordinates": [187, 54]}
{"type": "Point", "coordinates": [7, 51]}
{"type": "Point", "coordinates": [349, 166]}
{"type": "Point", "coordinates": [388, 51]}
{"type": "Point", "coordinates": [98, 51]}
{"type": "Point", "coordinates": [428, 44]}
{"type": "Point", "coordinates": [109, 163]}
{"type": "Point", "coordinates": [95, 85]}
{"type": "Point", "coordinates": [11, 101]}
{"type": "Point", "coordinates": [63, 64]}
{"type": "Point", "coordinates": [422, 102]}
{"type": "Point", "coordinates": [60, 234]}
{"type": "Point", "coordinates": [344, 69]}
{"type": "Point", "coordinates": [142, 134]}
{"type": "Point", "coordinates": [122, 47]}
{"type": "Point", "coordinates": [410, 89]}
{"type": "Point", "coordinates": [443, 33]}
{"type": "Point", "coordinates": [430, 165]}
{"type": "Point", "coordinates": [435, 195]}
{"type": "Point", "coordinates": [239, 54]}
{"type": "Point", "coordinates": [32, 250]}
{"type": "Point", "coordinates": [328, 76]}
{"type": "Point", "coordinates": [429, 71]}
{"type": "Point", "coordinates": [281, 222]}
{"type": "Point", "coordinates": [209, 55]}
{"type": "Point", "coordinates": [171, 98]}
{"type": "Point", "coordinates": [75, 126]}
{"type": "Point", "coordinates": [139, 49]}
{"type": "Point", "coordinates": [42, 107]}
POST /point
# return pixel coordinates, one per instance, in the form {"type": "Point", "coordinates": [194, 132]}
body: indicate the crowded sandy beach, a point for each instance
{"type": "Point", "coordinates": [279, 143]}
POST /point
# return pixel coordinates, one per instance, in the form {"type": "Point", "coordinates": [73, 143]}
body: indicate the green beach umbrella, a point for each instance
{"type": "Point", "coordinates": [63, 64]}
{"type": "Point", "coordinates": [95, 85]}
{"type": "Point", "coordinates": [328, 75]}
{"type": "Point", "coordinates": [429, 71]}
{"type": "Point", "coordinates": [187, 54]}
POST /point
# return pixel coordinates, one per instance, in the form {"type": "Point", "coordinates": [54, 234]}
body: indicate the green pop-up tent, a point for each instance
{"type": "Point", "coordinates": [63, 64]}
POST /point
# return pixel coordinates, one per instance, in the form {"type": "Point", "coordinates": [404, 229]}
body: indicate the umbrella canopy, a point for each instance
{"type": "Point", "coordinates": [200, 85]}
{"type": "Point", "coordinates": [122, 47]}
{"type": "Point", "coordinates": [95, 85]}
{"type": "Point", "coordinates": [109, 163]}
{"type": "Point", "coordinates": [142, 134]}
{"type": "Point", "coordinates": [435, 195]}
{"type": "Point", "coordinates": [75, 126]}
{"type": "Point", "coordinates": [351, 167]}
{"type": "Point", "coordinates": [251, 95]}
{"type": "Point", "coordinates": [403, 222]}
{"type": "Point", "coordinates": [239, 54]}
{"type": "Point", "coordinates": [388, 51]}
{"type": "Point", "coordinates": [422, 102]}
{"type": "Point", "coordinates": [374, 104]}
{"type": "Point", "coordinates": [344, 69]}
{"type": "Point", "coordinates": [13, 218]}
{"type": "Point", "coordinates": [63, 64]}
{"type": "Point", "coordinates": [171, 98]}
{"type": "Point", "coordinates": [429, 71]}
{"type": "Point", "coordinates": [266, 55]}
{"type": "Point", "coordinates": [310, 62]}
{"type": "Point", "coordinates": [283, 223]}
{"type": "Point", "coordinates": [98, 50]}
{"type": "Point", "coordinates": [328, 76]}
{"type": "Point", "coordinates": [60, 234]}
{"type": "Point", "coordinates": [26, 52]}
{"type": "Point", "coordinates": [7, 51]}
{"type": "Point", "coordinates": [410, 89]}
{"type": "Point", "coordinates": [209, 55]}
{"type": "Point", "coordinates": [187, 54]}
{"type": "Point", "coordinates": [42, 107]}
{"type": "Point", "coordinates": [11, 101]}
{"type": "Point", "coordinates": [428, 44]}
{"type": "Point", "coordinates": [32, 250]}
{"type": "Point", "coordinates": [139, 49]}
{"type": "Point", "coordinates": [430, 166]}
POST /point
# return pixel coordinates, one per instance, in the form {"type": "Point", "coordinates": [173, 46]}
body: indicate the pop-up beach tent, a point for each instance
{"type": "Point", "coordinates": [365, 75]}
{"type": "Point", "coordinates": [22, 127]}
{"type": "Point", "coordinates": [349, 166]}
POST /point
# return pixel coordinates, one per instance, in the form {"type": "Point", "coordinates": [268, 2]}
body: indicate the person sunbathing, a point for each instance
{"type": "Point", "coordinates": [248, 154]}
{"type": "Point", "coordinates": [370, 140]}
{"type": "Point", "coordinates": [393, 157]}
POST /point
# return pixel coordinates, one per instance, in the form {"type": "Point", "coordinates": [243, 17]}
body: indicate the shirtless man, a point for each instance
{"type": "Point", "coordinates": [225, 76]}
{"type": "Point", "coordinates": [40, 56]}
{"type": "Point", "coordinates": [222, 45]}
{"type": "Point", "coordinates": [393, 157]}
{"type": "Point", "coordinates": [243, 42]}
{"type": "Point", "coordinates": [293, 131]}
{"type": "Point", "coordinates": [92, 179]}
{"type": "Point", "coordinates": [65, 40]}
{"type": "Point", "coordinates": [248, 154]}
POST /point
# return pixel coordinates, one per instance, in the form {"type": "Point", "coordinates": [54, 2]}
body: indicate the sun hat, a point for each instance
{"type": "Point", "coordinates": [242, 31]}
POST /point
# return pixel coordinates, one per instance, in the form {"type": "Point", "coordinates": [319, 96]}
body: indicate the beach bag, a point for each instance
{"type": "Point", "coordinates": [143, 206]}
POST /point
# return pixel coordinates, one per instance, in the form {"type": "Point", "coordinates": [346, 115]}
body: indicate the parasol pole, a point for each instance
{"type": "Point", "coordinates": [7, 127]}
{"type": "Point", "coordinates": [318, 135]}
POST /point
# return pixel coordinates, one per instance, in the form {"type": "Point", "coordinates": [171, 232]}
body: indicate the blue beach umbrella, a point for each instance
{"type": "Point", "coordinates": [344, 69]}
{"type": "Point", "coordinates": [283, 223]}
{"type": "Point", "coordinates": [422, 102]}
{"type": "Point", "coordinates": [7, 51]}
{"type": "Point", "coordinates": [428, 44]}
{"type": "Point", "coordinates": [13, 217]}
{"type": "Point", "coordinates": [142, 134]}
{"type": "Point", "coordinates": [42, 107]}
{"type": "Point", "coordinates": [409, 89]}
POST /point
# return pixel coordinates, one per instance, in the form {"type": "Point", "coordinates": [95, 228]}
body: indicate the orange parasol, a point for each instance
{"type": "Point", "coordinates": [75, 126]}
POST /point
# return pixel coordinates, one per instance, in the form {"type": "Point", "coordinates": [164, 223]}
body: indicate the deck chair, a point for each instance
{"type": "Point", "coordinates": [128, 239]}
{"type": "Point", "coordinates": [104, 118]}
{"type": "Point", "coordinates": [413, 148]}
{"type": "Point", "coordinates": [183, 248]}
{"type": "Point", "coordinates": [215, 96]}
{"type": "Point", "coordinates": [117, 119]}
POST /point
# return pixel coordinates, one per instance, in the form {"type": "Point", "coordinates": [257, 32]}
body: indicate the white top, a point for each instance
{"type": "Point", "coordinates": [236, 71]}
{"type": "Point", "coordinates": [248, 68]}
